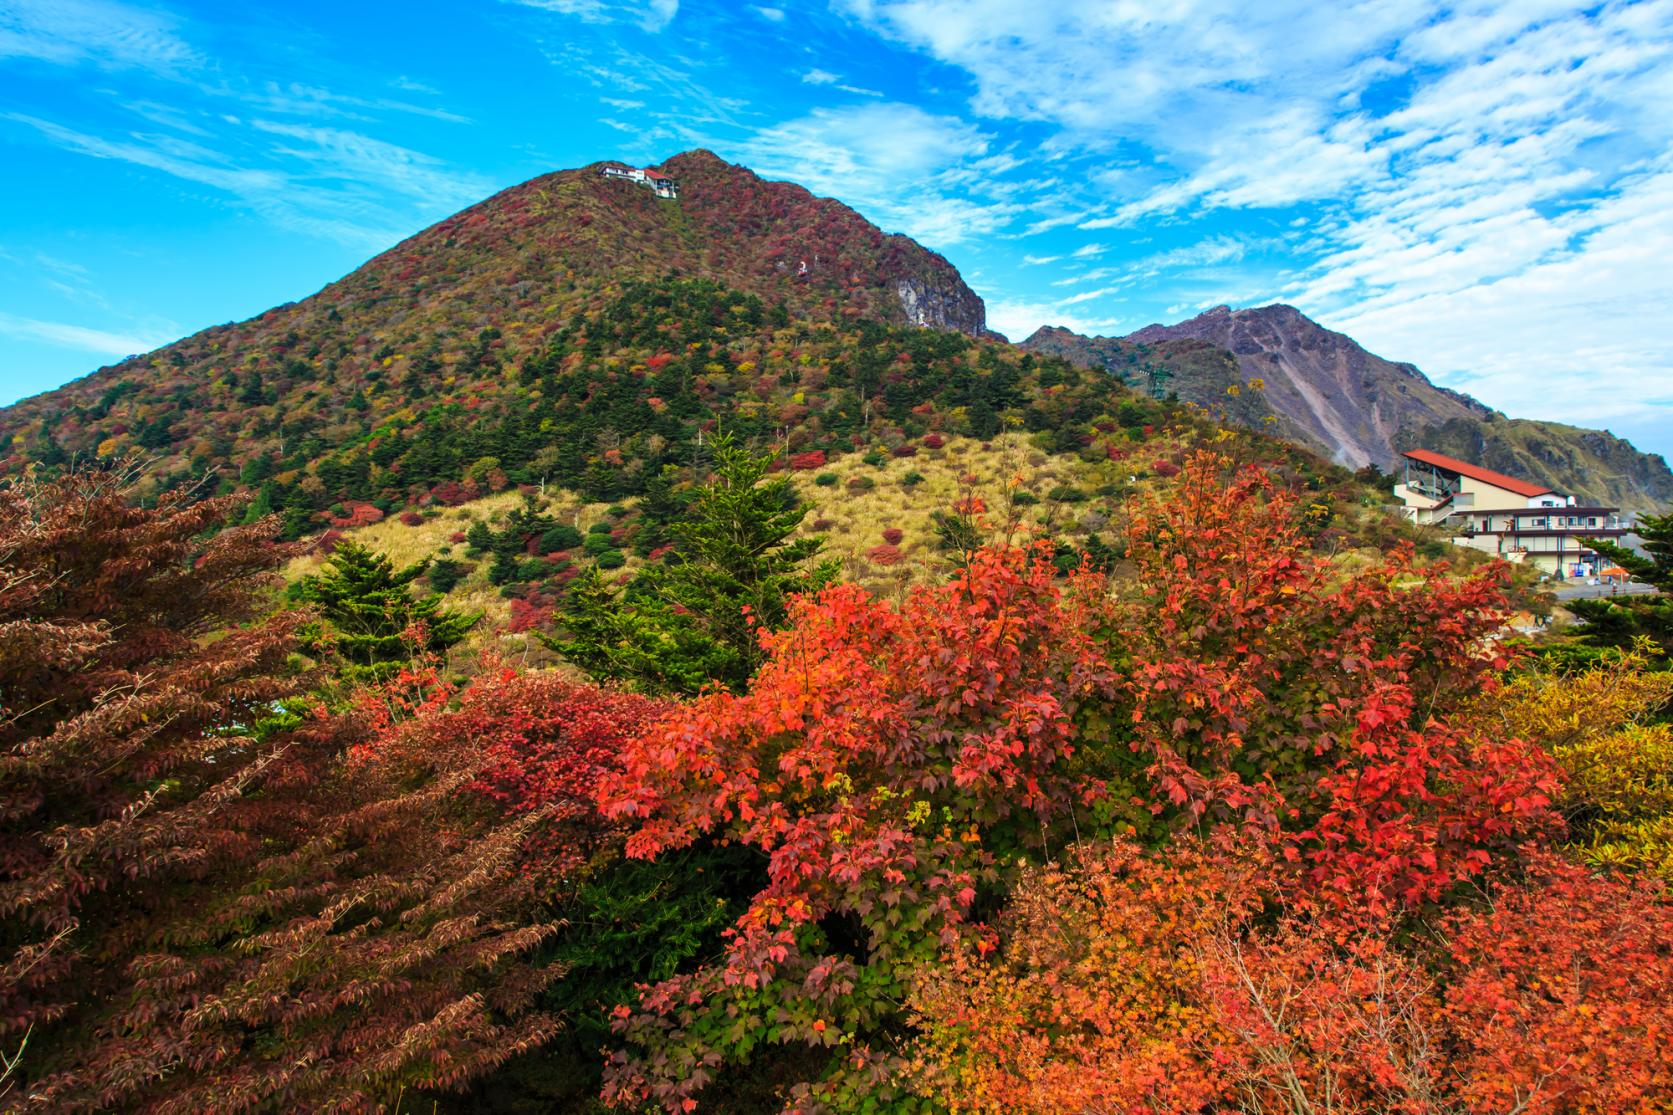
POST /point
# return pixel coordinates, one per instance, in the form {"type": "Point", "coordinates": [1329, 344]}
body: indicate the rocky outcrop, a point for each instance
{"type": "Point", "coordinates": [945, 305]}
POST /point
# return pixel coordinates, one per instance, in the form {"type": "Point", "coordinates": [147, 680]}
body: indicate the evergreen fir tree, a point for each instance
{"type": "Point", "coordinates": [693, 622]}
{"type": "Point", "coordinates": [367, 610]}
{"type": "Point", "coordinates": [1622, 620]}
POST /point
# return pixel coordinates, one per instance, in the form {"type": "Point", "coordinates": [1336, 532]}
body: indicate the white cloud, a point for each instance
{"type": "Point", "coordinates": [1478, 179]}
{"type": "Point", "coordinates": [101, 32]}
{"type": "Point", "coordinates": [78, 337]}
{"type": "Point", "coordinates": [771, 15]}
{"type": "Point", "coordinates": [1018, 317]}
{"type": "Point", "coordinates": [338, 184]}
{"type": "Point", "coordinates": [651, 15]}
{"type": "Point", "coordinates": [894, 162]}
{"type": "Point", "coordinates": [360, 159]}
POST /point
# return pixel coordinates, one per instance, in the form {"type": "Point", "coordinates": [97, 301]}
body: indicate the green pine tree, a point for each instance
{"type": "Point", "coordinates": [694, 621]}
{"type": "Point", "coordinates": [1621, 621]}
{"type": "Point", "coordinates": [367, 610]}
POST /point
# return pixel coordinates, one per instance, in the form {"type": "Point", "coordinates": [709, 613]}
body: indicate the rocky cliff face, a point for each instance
{"type": "Point", "coordinates": [941, 305]}
{"type": "Point", "coordinates": [1197, 371]}
{"type": "Point", "coordinates": [1350, 404]}
{"type": "Point", "coordinates": [1324, 390]}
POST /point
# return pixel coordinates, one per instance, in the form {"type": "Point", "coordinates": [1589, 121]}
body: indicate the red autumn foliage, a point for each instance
{"type": "Point", "coordinates": [356, 513]}
{"type": "Point", "coordinates": [1268, 689]}
{"type": "Point", "coordinates": [813, 458]}
{"type": "Point", "coordinates": [541, 742]}
{"type": "Point", "coordinates": [451, 493]}
{"type": "Point", "coordinates": [1164, 468]}
{"type": "Point", "coordinates": [873, 746]}
{"type": "Point", "coordinates": [905, 451]}
{"type": "Point", "coordinates": [1179, 981]}
{"type": "Point", "coordinates": [934, 441]}
{"type": "Point", "coordinates": [200, 913]}
{"type": "Point", "coordinates": [1559, 995]}
{"type": "Point", "coordinates": [412, 519]}
{"type": "Point", "coordinates": [885, 555]}
{"type": "Point", "coordinates": [893, 535]}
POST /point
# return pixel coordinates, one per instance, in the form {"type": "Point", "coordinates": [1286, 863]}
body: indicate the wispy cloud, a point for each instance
{"type": "Point", "coordinates": [650, 15]}
{"type": "Point", "coordinates": [98, 32]}
{"type": "Point", "coordinates": [1481, 188]}
{"type": "Point", "coordinates": [336, 183]}
{"type": "Point", "coordinates": [79, 337]}
{"type": "Point", "coordinates": [896, 162]}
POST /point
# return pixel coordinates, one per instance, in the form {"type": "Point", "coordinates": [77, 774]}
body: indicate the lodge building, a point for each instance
{"type": "Point", "coordinates": [1504, 516]}
{"type": "Point", "coordinates": [659, 182]}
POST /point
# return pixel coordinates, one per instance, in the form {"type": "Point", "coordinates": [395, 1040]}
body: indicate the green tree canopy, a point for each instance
{"type": "Point", "coordinates": [1620, 621]}
{"type": "Point", "coordinates": [369, 615]}
{"type": "Point", "coordinates": [678, 627]}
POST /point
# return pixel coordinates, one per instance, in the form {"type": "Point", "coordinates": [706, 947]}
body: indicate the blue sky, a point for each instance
{"type": "Point", "coordinates": [1484, 189]}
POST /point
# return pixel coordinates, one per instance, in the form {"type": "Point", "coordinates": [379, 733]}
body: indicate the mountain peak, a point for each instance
{"type": "Point", "coordinates": [1322, 388]}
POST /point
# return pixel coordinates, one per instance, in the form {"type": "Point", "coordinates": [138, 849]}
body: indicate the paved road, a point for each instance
{"type": "Point", "coordinates": [1585, 591]}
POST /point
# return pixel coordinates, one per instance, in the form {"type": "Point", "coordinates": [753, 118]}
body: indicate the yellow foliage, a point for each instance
{"type": "Point", "coordinates": [1618, 762]}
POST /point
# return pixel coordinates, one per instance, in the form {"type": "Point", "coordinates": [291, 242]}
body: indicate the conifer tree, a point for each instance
{"type": "Point", "coordinates": [1619, 621]}
{"type": "Point", "coordinates": [679, 627]}
{"type": "Point", "coordinates": [371, 620]}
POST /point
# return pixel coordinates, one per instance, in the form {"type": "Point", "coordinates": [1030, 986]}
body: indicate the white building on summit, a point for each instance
{"type": "Point", "coordinates": [660, 182]}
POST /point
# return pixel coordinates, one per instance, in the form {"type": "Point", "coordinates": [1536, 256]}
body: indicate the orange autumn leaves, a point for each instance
{"type": "Point", "coordinates": [1133, 982]}
{"type": "Point", "coordinates": [899, 766]}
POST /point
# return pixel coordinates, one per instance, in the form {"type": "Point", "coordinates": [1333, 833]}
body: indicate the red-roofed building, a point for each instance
{"type": "Point", "coordinates": [1511, 518]}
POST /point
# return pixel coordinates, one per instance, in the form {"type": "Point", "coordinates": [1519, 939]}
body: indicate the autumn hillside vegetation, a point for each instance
{"type": "Point", "coordinates": [612, 654]}
{"type": "Point", "coordinates": [1202, 818]}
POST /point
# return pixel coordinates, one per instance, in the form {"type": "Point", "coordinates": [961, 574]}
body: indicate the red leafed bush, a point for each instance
{"type": "Point", "coordinates": [813, 458]}
{"type": "Point", "coordinates": [204, 909]}
{"type": "Point", "coordinates": [456, 537]}
{"type": "Point", "coordinates": [885, 555]}
{"type": "Point", "coordinates": [528, 613]}
{"type": "Point", "coordinates": [822, 524]}
{"type": "Point", "coordinates": [934, 441]}
{"type": "Point", "coordinates": [905, 451]}
{"type": "Point", "coordinates": [451, 493]}
{"type": "Point", "coordinates": [1243, 642]}
{"type": "Point", "coordinates": [328, 541]}
{"type": "Point", "coordinates": [1164, 468]}
{"type": "Point", "coordinates": [1559, 997]}
{"type": "Point", "coordinates": [543, 743]}
{"type": "Point", "coordinates": [893, 535]}
{"type": "Point", "coordinates": [412, 519]}
{"type": "Point", "coordinates": [1175, 982]}
{"type": "Point", "coordinates": [357, 513]}
{"type": "Point", "coordinates": [870, 748]}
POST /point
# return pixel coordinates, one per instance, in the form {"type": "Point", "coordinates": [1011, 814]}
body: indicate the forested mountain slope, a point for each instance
{"type": "Point", "coordinates": [443, 325]}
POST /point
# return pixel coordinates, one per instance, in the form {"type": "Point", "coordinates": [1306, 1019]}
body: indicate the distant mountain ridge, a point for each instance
{"type": "Point", "coordinates": [1325, 390]}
